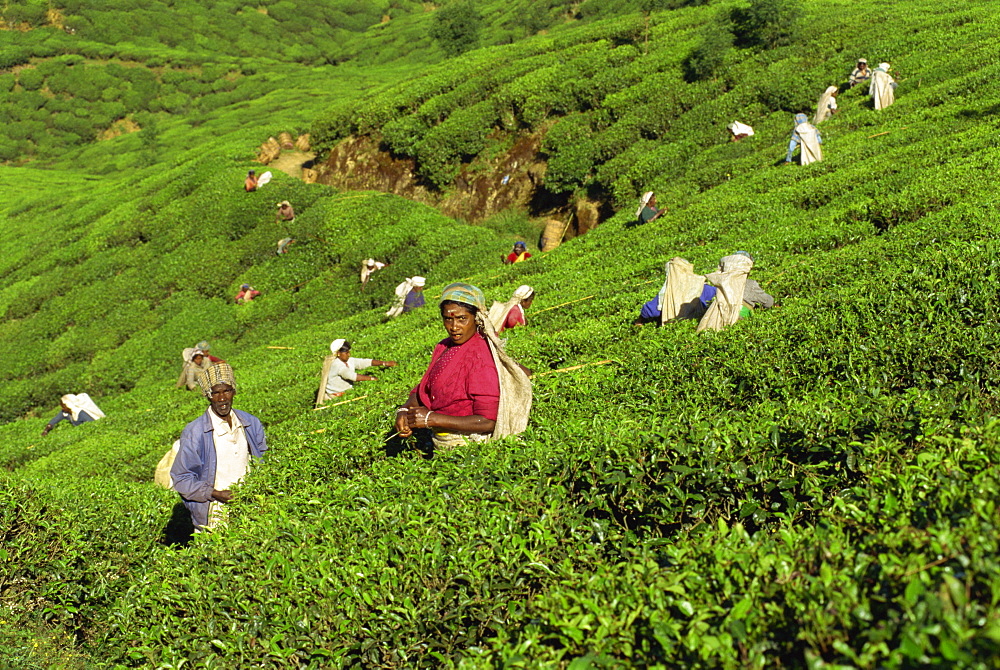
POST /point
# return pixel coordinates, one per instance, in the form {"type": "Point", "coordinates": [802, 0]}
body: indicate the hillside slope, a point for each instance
{"type": "Point", "coordinates": [810, 487]}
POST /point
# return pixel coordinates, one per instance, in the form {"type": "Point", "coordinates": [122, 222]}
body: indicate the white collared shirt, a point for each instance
{"type": "Point", "coordinates": [232, 452]}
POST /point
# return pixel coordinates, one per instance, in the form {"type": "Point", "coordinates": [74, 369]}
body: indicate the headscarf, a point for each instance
{"type": "Point", "coordinates": [642, 202]}
{"type": "Point", "coordinates": [862, 60]}
{"type": "Point", "coordinates": [464, 293]}
{"type": "Point", "coordinates": [220, 373]}
{"type": "Point", "coordinates": [336, 345]}
{"type": "Point", "coordinates": [884, 67]}
{"type": "Point", "coordinates": [81, 403]}
{"type": "Point", "coordinates": [515, 387]}
{"type": "Point", "coordinates": [369, 262]}
{"type": "Point", "coordinates": [203, 345]}
{"type": "Point", "coordinates": [284, 203]}
{"type": "Point", "coordinates": [500, 310]}
{"type": "Point", "coordinates": [417, 281]}
{"type": "Point", "coordinates": [196, 352]}
{"type": "Point", "coordinates": [801, 118]}
{"type": "Point", "coordinates": [739, 260]}
{"type": "Point", "coordinates": [245, 286]}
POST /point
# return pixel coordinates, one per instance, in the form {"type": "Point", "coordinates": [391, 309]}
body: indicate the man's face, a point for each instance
{"type": "Point", "coordinates": [221, 399]}
{"type": "Point", "coordinates": [344, 355]}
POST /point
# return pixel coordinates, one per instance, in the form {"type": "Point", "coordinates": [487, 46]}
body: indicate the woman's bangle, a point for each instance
{"type": "Point", "coordinates": [427, 418]}
{"type": "Point", "coordinates": [402, 410]}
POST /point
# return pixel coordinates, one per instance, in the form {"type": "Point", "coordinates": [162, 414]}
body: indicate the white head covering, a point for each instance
{"type": "Point", "coordinates": [642, 202]}
{"type": "Point", "coordinates": [884, 67]}
{"type": "Point", "coordinates": [737, 128]}
{"type": "Point", "coordinates": [370, 262]}
{"type": "Point", "coordinates": [417, 281]}
{"type": "Point", "coordinates": [522, 292]}
{"type": "Point", "coordinates": [82, 403]}
{"type": "Point", "coordinates": [337, 344]}
{"type": "Point", "coordinates": [196, 352]}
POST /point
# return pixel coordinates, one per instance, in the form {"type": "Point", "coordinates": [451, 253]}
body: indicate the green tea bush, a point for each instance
{"type": "Point", "coordinates": [808, 487]}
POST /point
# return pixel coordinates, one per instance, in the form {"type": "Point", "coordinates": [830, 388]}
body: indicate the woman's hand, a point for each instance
{"type": "Point", "coordinates": [409, 418]}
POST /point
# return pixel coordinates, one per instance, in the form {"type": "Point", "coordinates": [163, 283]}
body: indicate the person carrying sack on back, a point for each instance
{"type": "Point", "coordinates": [806, 136]}
{"type": "Point", "coordinates": [340, 371]}
{"type": "Point", "coordinates": [473, 390]}
{"type": "Point", "coordinates": [736, 293]}
{"type": "Point", "coordinates": [76, 408]}
{"type": "Point", "coordinates": [882, 88]}
{"type": "Point", "coordinates": [510, 314]}
{"type": "Point", "coordinates": [827, 105]}
{"type": "Point", "coordinates": [409, 296]}
{"type": "Point", "coordinates": [684, 295]}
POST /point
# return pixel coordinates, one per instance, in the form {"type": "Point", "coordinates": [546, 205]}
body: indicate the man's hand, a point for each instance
{"type": "Point", "coordinates": [222, 496]}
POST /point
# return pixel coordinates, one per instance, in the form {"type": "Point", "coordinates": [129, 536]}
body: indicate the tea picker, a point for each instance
{"type": "Point", "coordinates": [340, 371]}
{"type": "Point", "coordinates": [75, 408]}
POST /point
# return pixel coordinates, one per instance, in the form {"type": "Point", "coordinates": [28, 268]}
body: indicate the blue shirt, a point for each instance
{"type": "Point", "coordinates": [81, 417]}
{"type": "Point", "coordinates": [193, 471]}
{"type": "Point", "coordinates": [413, 300]}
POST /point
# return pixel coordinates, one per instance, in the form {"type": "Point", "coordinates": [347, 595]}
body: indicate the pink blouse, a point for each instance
{"type": "Point", "coordinates": [515, 317]}
{"type": "Point", "coordinates": [461, 380]}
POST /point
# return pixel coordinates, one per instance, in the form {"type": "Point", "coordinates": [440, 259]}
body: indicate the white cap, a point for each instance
{"type": "Point", "coordinates": [336, 345]}
{"type": "Point", "coordinates": [418, 281]}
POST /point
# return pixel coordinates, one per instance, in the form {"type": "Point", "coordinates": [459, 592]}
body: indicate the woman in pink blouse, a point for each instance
{"type": "Point", "coordinates": [472, 390]}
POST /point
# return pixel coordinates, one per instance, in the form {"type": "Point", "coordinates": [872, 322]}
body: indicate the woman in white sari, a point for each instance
{"type": "Point", "coordinates": [882, 88]}
{"type": "Point", "coordinates": [827, 105]}
{"type": "Point", "coordinates": [806, 136]}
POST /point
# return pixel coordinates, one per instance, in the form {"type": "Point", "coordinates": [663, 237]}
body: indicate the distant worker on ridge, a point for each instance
{"type": "Point", "coordinates": [827, 105]}
{"type": "Point", "coordinates": [75, 408]}
{"type": "Point", "coordinates": [246, 294]}
{"type": "Point", "coordinates": [860, 73]}
{"type": "Point", "coordinates": [806, 136]}
{"type": "Point", "coordinates": [520, 253]}
{"type": "Point", "coordinates": [882, 88]}
{"type": "Point", "coordinates": [250, 184]}
{"type": "Point", "coordinates": [409, 296]}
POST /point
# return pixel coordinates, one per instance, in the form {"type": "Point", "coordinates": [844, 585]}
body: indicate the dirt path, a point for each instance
{"type": "Point", "coordinates": [290, 162]}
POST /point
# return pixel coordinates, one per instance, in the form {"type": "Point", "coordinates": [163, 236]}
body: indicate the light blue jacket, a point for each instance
{"type": "Point", "coordinates": [193, 472]}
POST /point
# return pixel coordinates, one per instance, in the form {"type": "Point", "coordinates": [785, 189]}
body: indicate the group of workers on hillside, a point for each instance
{"type": "Point", "coordinates": [471, 390]}
{"type": "Point", "coordinates": [805, 135]}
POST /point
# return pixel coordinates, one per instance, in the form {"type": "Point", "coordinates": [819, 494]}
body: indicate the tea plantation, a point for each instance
{"type": "Point", "coordinates": [815, 486]}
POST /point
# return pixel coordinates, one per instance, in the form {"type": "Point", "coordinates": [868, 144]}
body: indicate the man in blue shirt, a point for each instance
{"type": "Point", "coordinates": [215, 449]}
